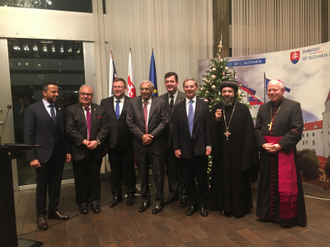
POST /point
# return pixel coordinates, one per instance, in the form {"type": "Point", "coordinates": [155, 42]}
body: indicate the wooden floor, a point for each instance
{"type": "Point", "coordinates": [125, 226]}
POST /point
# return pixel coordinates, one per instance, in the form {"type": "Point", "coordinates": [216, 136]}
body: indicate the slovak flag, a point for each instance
{"type": "Point", "coordinates": [247, 89]}
{"type": "Point", "coordinates": [253, 100]}
{"type": "Point", "coordinates": [130, 88]}
{"type": "Point", "coordinates": [112, 73]}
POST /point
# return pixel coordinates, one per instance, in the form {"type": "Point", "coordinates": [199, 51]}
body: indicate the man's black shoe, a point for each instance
{"type": "Point", "coordinates": [157, 208]}
{"type": "Point", "coordinates": [83, 210]}
{"type": "Point", "coordinates": [204, 211]}
{"type": "Point", "coordinates": [144, 206]}
{"type": "Point", "coordinates": [191, 210]}
{"type": "Point", "coordinates": [171, 199]}
{"type": "Point", "coordinates": [115, 201]}
{"type": "Point", "coordinates": [96, 209]}
{"type": "Point", "coordinates": [130, 199]}
{"type": "Point", "coordinates": [184, 202]}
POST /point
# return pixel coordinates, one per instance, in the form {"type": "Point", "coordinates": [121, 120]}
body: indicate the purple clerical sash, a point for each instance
{"type": "Point", "coordinates": [287, 180]}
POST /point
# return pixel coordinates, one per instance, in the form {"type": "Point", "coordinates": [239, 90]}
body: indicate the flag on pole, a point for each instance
{"type": "Point", "coordinates": [131, 88]}
{"type": "Point", "coordinates": [152, 73]}
{"type": "Point", "coordinates": [253, 100]}
{"type": "Point", "coordinates": [285, 88]}
{"type": "Point", "coordinates": [247, 89]}
{"type": "Point", "coordinates": [112, 73]}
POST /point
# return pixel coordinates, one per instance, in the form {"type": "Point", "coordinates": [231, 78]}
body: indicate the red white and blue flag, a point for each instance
{"type": "Point", "coordinates": [247, 89]}
{"type": "Point", "coordinates": [253, 100]}
{"type": "Point", "coordinates": [112, 73]}
{"type": "Point", "coordinates": [130, 87]}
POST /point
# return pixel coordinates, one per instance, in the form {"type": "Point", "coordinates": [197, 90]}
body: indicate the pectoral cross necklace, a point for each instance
{"type": "Point", "coordinates": [227, 133]}
{"type": "Point", "coordinates": [270, 125]}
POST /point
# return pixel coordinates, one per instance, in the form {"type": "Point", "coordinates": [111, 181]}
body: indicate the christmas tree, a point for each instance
{"type": "Point", "coordinates": [210, 90]}
{"type": "Point", "coordinates": [213, 78]}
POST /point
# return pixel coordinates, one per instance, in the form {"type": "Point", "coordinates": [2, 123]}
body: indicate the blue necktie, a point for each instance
{"type": "Point", "coordinates": [52, 112]}
{"type": "Point", "coordinates": [117, 108]}
{"type": "Point", "coordinates": [191, 117]}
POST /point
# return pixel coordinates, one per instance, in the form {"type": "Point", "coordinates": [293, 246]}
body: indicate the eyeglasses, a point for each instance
{"type": "Point", "coordinates": [272, 90]}
{"type": "Point", "coordinates": [86, 94]}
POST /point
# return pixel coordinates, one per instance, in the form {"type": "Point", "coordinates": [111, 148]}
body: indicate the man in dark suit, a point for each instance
{"type": "Point", "coordinates": [192, 144]}
{"type": "Point", "coordinates": [45, 126]}
{"type": "Point", "coordinates": [147, 119]}
{"type": "Point", "coordinates": [87, 128]}
{"type": "Point", "coordinates": [120, 144]}
{"type": "Point", "coordinates": [174, 175]}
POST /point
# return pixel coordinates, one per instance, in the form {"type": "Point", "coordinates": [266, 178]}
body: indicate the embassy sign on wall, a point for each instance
{"type": "Point", "coordinates": [305, 72]}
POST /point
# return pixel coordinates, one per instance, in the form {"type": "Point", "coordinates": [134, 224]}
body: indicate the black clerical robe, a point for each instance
{"type": "Point", "coordinates": [288, 124]}
{"type": "Point", "coordinates": [235, 161]}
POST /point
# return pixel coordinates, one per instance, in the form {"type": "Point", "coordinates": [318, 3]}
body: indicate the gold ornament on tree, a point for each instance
{"type": "Point", "coordinates": [220, 48]}
{"type": "Point", "coordinates": [213, 77]}
{"type": "Point", "coordinates": [214, 87]}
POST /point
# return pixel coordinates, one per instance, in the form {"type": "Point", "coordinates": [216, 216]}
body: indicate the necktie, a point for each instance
{"type": "Point", "coordinates": [145, 111]}
{"type": "Point", "coordinates": [191, 117]}
{"type": "Point", "coordinates": [52, 112]}
{"type": "Point", "coordinates": [117, 109]}
{"type": "Point", "coordinates": [88, 120]}
{"type": "Point", "coordinates": [171, 103]}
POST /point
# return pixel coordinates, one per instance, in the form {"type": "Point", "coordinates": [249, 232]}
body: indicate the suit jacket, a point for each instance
{"type": "Point", "coordinates": [157, 124]}
{"type": "Point", "coordinates": [76, 129]}
{"type": "Point", "coordinates": [201, 137]}
{"type": "Point", "coordinates": [119, 133]}
{"type": "Point", "coordinates": [180, 97]}
{"type": "Point", "coordinates": [39, 130]}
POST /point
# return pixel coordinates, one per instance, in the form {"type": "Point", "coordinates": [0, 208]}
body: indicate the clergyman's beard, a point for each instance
{"type": "Point", "coordinates": [228, 102]}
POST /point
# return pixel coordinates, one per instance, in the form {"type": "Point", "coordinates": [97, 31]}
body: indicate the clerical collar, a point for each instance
{"type": "Point", "coordinates": [278, 103]}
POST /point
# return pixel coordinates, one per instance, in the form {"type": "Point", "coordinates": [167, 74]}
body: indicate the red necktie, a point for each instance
{"type": "Point", "coordinates": [145, 111]}
{"type": "Point", "coordinates": [88, 119]}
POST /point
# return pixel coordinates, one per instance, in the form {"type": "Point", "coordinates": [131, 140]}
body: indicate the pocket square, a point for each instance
{"type": "Point", "coordinates": [99, 117]}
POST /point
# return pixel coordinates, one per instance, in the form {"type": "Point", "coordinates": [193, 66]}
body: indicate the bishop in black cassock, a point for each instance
{"type": "Point", "coordinates": [235, 155]}
{"type": "Point", "coordinates": [279, 126]}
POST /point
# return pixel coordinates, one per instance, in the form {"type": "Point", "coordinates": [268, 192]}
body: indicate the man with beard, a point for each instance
{"type": "Point", "coordinates": [45, 126]}
{"type": "Point", "coordinates": [235, 155]}
{"type": "Point", "coordinates": [278, 129]}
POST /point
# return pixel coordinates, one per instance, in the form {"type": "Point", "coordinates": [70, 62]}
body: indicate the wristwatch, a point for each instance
{"type": "Point", "coordinates": [98, 142]}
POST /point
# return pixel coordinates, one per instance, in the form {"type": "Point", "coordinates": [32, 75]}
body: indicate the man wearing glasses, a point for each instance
{"type": "Point", "coordinates": [120, 144]}
{"type": "Point", "coordinates": [87, 128]}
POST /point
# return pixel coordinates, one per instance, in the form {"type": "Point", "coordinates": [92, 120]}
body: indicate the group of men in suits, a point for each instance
{"type": "Point", "coordinates": [145, 127]}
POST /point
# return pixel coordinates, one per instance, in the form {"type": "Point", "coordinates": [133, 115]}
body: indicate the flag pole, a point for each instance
{"type": "Point", "coordinates": [265, 87]}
